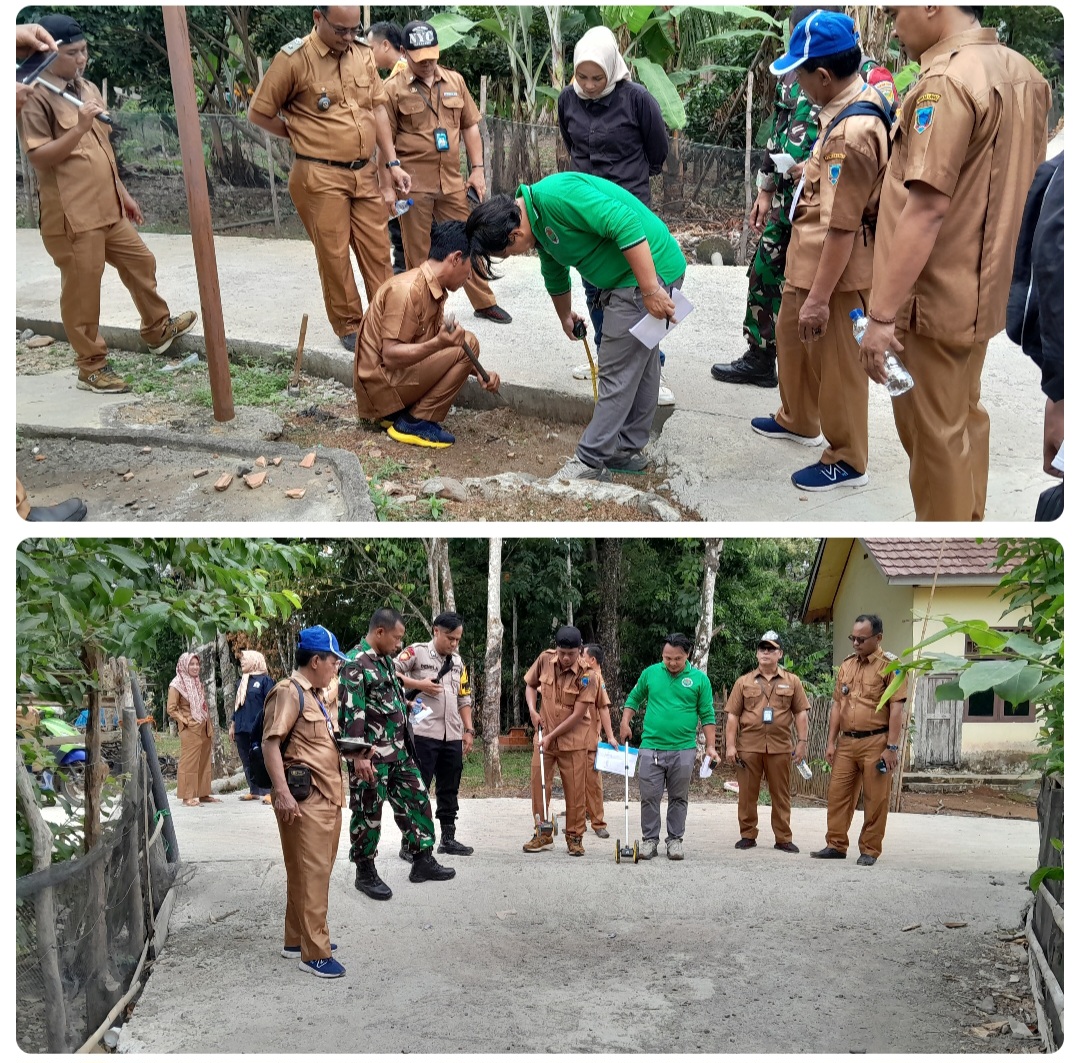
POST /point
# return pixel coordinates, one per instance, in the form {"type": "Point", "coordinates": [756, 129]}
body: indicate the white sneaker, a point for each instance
{"type": "Point", "coordinates": [581, 372]}
{"type": "Point", "coordinates": [647, 849]}
{"type": "Point", "coordinates": [665, 397]}
{"type": "Point", "coordinates": [576, 469]}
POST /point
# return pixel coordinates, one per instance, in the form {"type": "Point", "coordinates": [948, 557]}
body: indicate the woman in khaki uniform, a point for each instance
{"type": "Point", "coordinates": [187, 706]}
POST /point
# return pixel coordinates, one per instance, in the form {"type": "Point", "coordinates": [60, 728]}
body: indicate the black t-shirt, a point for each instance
{"type": "Point", "coordinates": [257, 689]}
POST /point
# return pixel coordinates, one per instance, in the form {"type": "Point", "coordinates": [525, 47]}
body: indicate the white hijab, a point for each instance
{"type": "Point", "coordinates": [599, 46]}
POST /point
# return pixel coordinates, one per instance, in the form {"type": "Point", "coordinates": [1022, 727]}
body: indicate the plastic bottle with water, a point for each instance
{"type": "Point", "coordinates": [898, 378]}
{"type": "Point", "coordinates": [401, 206]}
{"type": "Point", "coordinates": [420, 711]}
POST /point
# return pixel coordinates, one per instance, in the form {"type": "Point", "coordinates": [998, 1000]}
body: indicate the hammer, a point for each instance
{"type": "Point", "coordinates": [294, 382]}
{"type": "Point", "coordinates": [448, 323]}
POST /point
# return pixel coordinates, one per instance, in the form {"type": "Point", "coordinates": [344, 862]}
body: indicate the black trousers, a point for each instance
{"type": "Point", "coordinates": [441, 761]}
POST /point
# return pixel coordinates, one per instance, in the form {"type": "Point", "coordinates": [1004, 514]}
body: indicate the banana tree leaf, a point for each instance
{"type": "Point", "coordinates": [547, 92]}
{"type": "Point", "coordinates": [729, 35]}
{"type": "Point", "coordinates": [652, 76]}
{"type": "Point", "coordinates": [452, 28]}
{"type": "Point", "coordinates": [737, 12]}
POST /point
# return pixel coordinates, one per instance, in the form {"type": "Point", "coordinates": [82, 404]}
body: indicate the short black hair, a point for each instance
{"type": "Point", "coordinates": [446, 238]}
{"type": "Point", "coordinates": [387, 31]}
{"type": "Point", "coordinates": [305, 657]}
{"type": "Point", "coordinates": [679, 641]}
{"type": "Point", "coordinates": [489, 228]}
{"type": "Point", "coordinates": [974, 12]}
{"type": "Point", "coordinates": [841, 65]}
{"type": "Point", "coordinates": [447, 621]}
{"type": "Point", "coordinates": [595, 651]}
{"type": "Point", "coordinates": [386, 618]}
{"type": "Point", "coordinates": [873, 620]}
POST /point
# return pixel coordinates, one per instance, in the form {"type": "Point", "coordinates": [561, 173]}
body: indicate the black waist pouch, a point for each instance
{"type": "Point", "coordinates": [298, 779]}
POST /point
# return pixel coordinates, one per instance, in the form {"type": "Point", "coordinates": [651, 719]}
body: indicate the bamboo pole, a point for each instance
{"type": "Point", "coordinates": [129, 749]}
{"type": "Point", "coordinates": [270, 162]}
{"type": "Point", "coordinates": [744, 236]}
{"type": "Point", "coordinates": [202, 232]}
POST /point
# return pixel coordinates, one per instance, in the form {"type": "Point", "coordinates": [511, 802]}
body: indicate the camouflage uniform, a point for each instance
{"type": "Point", "coordinates": [372, 707]}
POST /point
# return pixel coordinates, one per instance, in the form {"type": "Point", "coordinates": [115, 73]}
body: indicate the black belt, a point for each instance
{"type": "Point", "coordinates": [864, 734]}
{"type": "Point", "coordinates": [357, 164]}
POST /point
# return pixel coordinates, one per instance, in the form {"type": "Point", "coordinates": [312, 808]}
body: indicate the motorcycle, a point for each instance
{"type": "Point", "coordinates": [67, 747]}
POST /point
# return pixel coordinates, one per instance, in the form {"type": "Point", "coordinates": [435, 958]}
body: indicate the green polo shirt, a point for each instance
{"type": "Point", "coordinates": [674, 705]}
{"type": "Point", "coordinates": [588, 222]}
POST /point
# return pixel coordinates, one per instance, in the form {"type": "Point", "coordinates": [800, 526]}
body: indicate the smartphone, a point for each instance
{"type": "Point", "coordinates": [472, 196]}
{"type": "Point", "coordinates": [31, 68]}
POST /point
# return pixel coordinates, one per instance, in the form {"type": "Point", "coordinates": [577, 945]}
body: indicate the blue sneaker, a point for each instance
{"type": "Point", "coordinates": [824, 476]}
{"type": "Point", "coordinates": [771, 429]}
{"type": "Point", "coordinates": [420, 433]}
{"type": "Point", "coordinates": [323, 968]}
{"type": "Point", "coordinates": [293, 951]}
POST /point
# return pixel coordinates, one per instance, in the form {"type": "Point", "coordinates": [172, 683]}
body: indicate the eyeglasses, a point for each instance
{"type": "Point", "coordinates": [344, 31]}
{"type": "Point", "coordinates": [766, 647]}
{"type": "Point", "coordinates": [858, 640]}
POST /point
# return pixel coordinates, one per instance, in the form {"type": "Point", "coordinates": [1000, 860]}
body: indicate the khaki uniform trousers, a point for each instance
{"type": "Point", "coordinates": [310, 846]}
{"type": "Point", "coordinates": [572, 764]}
{"type": "Point", "coordinates": [823, 387]}
{"type": "Point", "coordinates": [594, 793]}
{"type": "Point", "coordinates": [944, 427]}
{"type": "Point", "coordinates": [416, 224]}
{"type": "Point", "coordinates": [854, 771]}
{"type": "Point", "coordinates": [343, 209]}
{"type": "Point", "coordinates": [22, 503]}
{"type": "Point", "coordinates": [428, 389]}
{"type": "Point", "coordinates": [776, 767]}
{"type": "Point", "coordinates": [193, 771]}
{"type": "Point", "coordinates": [81, 259]}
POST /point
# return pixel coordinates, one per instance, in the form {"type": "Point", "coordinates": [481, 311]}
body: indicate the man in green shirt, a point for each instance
{"type": "Point", "coordinates": [677, 697]}
{"type": "Point", "coordinates": [621, 247]}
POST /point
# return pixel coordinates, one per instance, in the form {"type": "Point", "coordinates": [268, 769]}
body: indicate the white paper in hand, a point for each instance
{"type": "Point", "coordinates": [1059, 459]}
{"type": "Point", "coordinates": [705, 770]}
{"type": "Point", "coordinates": [783, 161]}
{"type": "Point", "coordinates": [652, 331]}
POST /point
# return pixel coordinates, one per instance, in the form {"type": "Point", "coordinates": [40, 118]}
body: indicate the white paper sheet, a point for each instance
{"type": "Point", "coordinates": [610, 759]}
{"type": "Point", "coordinates": [783, 161]}
{"type": "Point", "coordinates": [652, 331]}
{"type": "Point", "coordinates": [1059, 458]}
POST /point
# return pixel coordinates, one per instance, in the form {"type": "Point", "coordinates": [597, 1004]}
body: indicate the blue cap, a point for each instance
{"type": "Point", "coordinates": [319, 640]}
{"type": "Point", "coordinates": [820, 34]}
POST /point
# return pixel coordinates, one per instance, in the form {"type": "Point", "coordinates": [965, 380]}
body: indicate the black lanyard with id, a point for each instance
{"type": "Point", "coordinates": [767, 712]}
{"type": "Point", "coordinates": [442, 138]}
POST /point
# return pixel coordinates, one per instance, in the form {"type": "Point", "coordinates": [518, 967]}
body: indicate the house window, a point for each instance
{"type": "Point", "coordinates": [986, 706]}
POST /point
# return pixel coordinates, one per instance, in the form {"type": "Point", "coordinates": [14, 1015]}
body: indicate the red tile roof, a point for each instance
{"type": "Point", "coordinates": [919, 557]}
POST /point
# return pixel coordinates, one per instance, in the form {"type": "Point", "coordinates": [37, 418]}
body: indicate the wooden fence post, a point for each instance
{"type": "Point", "coordinates": [747, 183]}
{"type": "Point", "coordinates": [130, 747]}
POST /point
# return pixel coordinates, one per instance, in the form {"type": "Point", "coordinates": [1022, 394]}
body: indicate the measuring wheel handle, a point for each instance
{"type": "Point", "coordinates": [618, 851]}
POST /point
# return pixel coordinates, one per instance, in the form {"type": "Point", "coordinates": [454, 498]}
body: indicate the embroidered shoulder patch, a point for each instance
{"type": "Point", "coordinates": [836, 155]}
{"type": "Point", "coordinates": [584, 680]}
{"type": "Point", "coordinates": [292, 46]}
{"type": "Point", "coordinates": [834, 172]}
{"type": "Point", "coordinates": [923, 117]}
{"type": "Point", "coordinates": [928, 97]}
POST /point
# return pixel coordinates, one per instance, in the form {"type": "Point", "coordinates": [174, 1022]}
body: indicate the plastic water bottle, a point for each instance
{"type": "Point", "coordinates": [401, 206]}
{"type": "Point", "coordinates": [420, 711]}
{"type": "Point", "coordinates": [804, 769]}
{"type": "Point", "coordinates": [898, 378]}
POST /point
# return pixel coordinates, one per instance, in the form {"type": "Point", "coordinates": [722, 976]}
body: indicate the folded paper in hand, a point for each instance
{"type": "Point", "coordinates": [652, 330]}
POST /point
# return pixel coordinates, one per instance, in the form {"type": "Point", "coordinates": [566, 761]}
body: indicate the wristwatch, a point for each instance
{"type": "Point", "coordinates": [469, 731]}
{"type": "Point", "coordinates": [895, 749]}
{"type": "Point", "coordinates": [392, 163]}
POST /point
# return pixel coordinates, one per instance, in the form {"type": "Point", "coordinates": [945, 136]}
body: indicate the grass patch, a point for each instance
{"type": "Point", "coordinates": [254, 383]}
{"type": "Point", "coordinates": [516, 765]}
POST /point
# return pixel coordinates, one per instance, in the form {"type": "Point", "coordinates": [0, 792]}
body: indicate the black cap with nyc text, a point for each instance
{"type": "Point", "coordinates": [420, 40]}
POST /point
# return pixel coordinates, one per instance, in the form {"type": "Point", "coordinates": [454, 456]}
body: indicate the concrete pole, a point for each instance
{"type": "Point", "coordinates": [202, 233]}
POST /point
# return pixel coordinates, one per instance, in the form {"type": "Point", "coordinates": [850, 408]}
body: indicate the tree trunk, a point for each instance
{"type": "Point", "coordinates": [516, 718]}
{"type": "Point", "coordinates": [431, 550]}
{"type": "Point", "coordinates": [229, 679]}
{"type": "Point", "coordinates": [493, 667]}
{"type": "Point", "coordinates": [703, 636]}
{"type": "Point", "coordinates": [206, 657]}
{"type": "Point", "coordinates": [610, 552]}
{"type": "Point", "coordinates": [446, 576]}
{"type": "Point", "coordinates": [131, 747]}
{"type": "Point", "coordinates": [569, 587]}
{"type": "Point", "coordinates": [748, 184]}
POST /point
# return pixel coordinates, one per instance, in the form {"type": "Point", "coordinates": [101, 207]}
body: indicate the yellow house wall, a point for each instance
{"type": "Point", "coordinates": [863, 590]}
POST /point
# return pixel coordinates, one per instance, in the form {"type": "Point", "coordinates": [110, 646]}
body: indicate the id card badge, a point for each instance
{"type": "Point", "coordinates": [442, 140]}
{"type": "Point", "coordinates": [766, 714]}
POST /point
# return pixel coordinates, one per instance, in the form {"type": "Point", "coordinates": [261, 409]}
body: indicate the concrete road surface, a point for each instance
{"type": "Point", "coordinates": [756, 951]}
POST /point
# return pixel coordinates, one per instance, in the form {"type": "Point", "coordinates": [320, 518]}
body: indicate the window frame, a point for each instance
{"type": "Point", "coordinates": [971, 650]}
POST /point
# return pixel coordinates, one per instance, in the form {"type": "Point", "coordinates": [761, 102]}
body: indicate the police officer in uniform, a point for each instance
{"type": "Point", "coordinates": [760, 709]}
{"type": "Point", "coordinates": [434, 671]}
{"type": "Point", "coordinates": [967, 141]}
{"type": "Point", "coordinates": [568, 689]}
{"type": "Point", "coordinates": [323, 94]}
{"type": "Point", "coordinates": [593, 656]}
{"type": "Point", "coordinates": [299, 729]}
{"type": "Point", "coordinates": [431, 114]}
{"type": "Point", "coordinates": [862, 738]}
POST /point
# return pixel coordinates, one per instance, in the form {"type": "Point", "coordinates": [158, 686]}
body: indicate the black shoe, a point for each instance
{"type": "Point", "coordinates": [866, 860]}
{"type": "Point", "coordinates": [601, 832]}
{"type": "Point", "coordinates": [404, 853]}
{"type": "Point", "coordinates": [829, 853]}
{"type": "Point", "coordinates": [425, 868]}
{"type": "Point", "coordinates": [368, 881]}
{"type": "Point", "coordinates": [494, 313]}
{"type": "Point", "coordinates": [787, 847]}
{"type": "Point", "coordinates": [745, 843]}
{"type": "Point", "coordinates": [74, 509]}
{"type": "Point", "coordinates": [348, 341]}
{"type": "Point", "coordinates": [752, 368]}
{"type": "Point", "coordinates": [449, 844]}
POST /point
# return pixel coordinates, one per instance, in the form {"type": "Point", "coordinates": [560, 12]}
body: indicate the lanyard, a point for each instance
{"type": "Point", "coordinates": [427, 102]}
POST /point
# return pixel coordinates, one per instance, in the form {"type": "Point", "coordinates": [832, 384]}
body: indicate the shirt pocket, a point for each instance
{"type": "Point", "coordinates": [312, 721]}
{"type": "Point", "coordinates": [450, 111]}
{"type": "Point", "coordinates": [359, 85]}
{"type": "Point", "coordinates": [411, 110]}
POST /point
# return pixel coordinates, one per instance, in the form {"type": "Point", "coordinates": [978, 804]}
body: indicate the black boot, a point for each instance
{"type": "Point", "coordinates": [426, 869]}
{"type": "Point", "coordinates": [74, 509]}
{"type": "Point", "coordinates": [368, 881]}
{"type": "Point", "coordinates": [449, 844]}
{"type": "Point", "coordinates": [754, 367]}
{"type": "Point", "coordinates": [404, 853]}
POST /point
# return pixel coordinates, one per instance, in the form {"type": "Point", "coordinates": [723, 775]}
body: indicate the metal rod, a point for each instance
{"type": "Point", "coordinates": [103, 117]}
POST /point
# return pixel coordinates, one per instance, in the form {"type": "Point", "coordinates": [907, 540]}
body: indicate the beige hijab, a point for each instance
{"type": "Point", "coordinates": [251, 663]}
{"type": "Point", "coordinates": [599, 46]}
{"type": "Point", "coordinates": [190, 687]}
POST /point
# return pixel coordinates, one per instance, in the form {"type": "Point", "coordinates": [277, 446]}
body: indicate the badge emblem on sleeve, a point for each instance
{"type": "Point", "coordinates": [923, 117]}
{"type": "Point", "coordinates": [834, 173]}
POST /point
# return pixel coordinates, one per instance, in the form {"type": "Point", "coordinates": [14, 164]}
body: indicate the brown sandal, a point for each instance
{"type": "Point", "coordinates": [193, 802]}
{"type": "Point", "coordinates": [210, 800]}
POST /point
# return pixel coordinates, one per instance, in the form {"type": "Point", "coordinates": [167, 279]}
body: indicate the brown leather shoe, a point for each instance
{"type": "Point", "coordinates": [175, 327]}
{"type": "Point", "coordinates": [574, 846]}
{"type": "Point", "coordinates": [537, 842]}
{"type": "Point", "coordinates": [787, 847]}
{"type": "Point", "coordinates": [104, 382]}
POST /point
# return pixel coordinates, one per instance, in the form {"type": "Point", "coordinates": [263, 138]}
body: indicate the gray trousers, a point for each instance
{"type": "Point", "coordinates": [629, 381]}
{"type": "Point", "coordinates": [658, 768]}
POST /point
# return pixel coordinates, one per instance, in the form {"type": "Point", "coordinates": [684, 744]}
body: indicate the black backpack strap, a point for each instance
{"type": "Point", "coordinates": [300, 694]}
{"type": "Point", "coordinates": [886, 113]}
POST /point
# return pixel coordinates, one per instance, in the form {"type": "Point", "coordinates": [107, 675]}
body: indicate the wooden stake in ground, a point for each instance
{"type": "Point", "coordinates": [294, 384]}
{"type": "Point", "coordinates": [202, 232]}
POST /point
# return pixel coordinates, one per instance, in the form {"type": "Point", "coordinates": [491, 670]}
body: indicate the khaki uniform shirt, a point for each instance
{"type": "Point", "coordinates": [560, 693]}
{"type": "Point", "coordinates": [859, 686]}
{"type": "Point", "coordinates": [422, 661]}
{"type": "Point", "coordinates": [841, 189]}
{"type": "Point", "coordinates": [82, 192]}
{"type": "Point", "coordinates": [409, 308]}
{"type": "Point", "coordinates": [179, 708]}
{"type": "Point", "coordinates": [415, 112]}
{"type": "Point", "coordinates": [602, 702]}
{"type": "Point", "coordinates": [750, 695]}
{"type": "Point", "coordinates": [312, 742]}
{"type": "Point", "coordinates": [297, 79]}
{"type": "Point", "coordinates": [973, 127]}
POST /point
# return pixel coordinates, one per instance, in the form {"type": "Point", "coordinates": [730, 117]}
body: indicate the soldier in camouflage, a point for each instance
{"type": "Point", "coordinates": [375, 734]}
